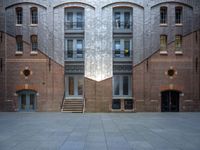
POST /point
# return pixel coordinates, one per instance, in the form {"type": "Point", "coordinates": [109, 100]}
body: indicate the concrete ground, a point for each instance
{"type": "Point", "coordinates": [99, 131]}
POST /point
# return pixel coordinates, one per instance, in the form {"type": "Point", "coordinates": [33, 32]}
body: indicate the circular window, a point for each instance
{"type": "Point", "coordinates": [170, 72]}
{"type": "Point", "coordinates": [26, 72]}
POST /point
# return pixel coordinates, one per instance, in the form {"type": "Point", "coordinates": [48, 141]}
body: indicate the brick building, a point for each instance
{"type": "Point", "coordinates": [100, 55]}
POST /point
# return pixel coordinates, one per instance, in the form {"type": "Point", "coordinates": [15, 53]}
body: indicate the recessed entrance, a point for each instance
{"type": "Point", "coordinates": [170, 101]}
{"type": "Point", "coordinates": [27, 100]}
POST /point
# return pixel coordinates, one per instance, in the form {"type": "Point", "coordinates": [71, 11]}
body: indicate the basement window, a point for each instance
{"type": "Point", "coordinates": [116, 104]}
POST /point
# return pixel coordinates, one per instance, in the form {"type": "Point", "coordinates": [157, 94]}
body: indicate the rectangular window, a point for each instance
{"type": "Point", "coordinates": [79, 18]}
{"type": "Point", "coordinates": [163, 15]}
{"type": "Point", "coordinates": [127, 48]}
{"type": "Point", "coordinates": [128, 104]}
{"type": "Point", "coordinates": [34, 42]}
{"type": "Point", "coordinates": [178, 14]}
{"type": "Point", "coordinates": [79, 48]}
{"type": "Point", "coordinates": [163, 42]}
{"type": "Point", "coordinates": [19, 43]}
{"type": "Point", "coordinates": [69, 48]}
{"type": "Point", "coordinates": [116, 104]}
{"type": "Point", "coordinates": [74, 85]}
{"type": "Point", "coordinates": [122, 85]}
{"type": "Point", "coordinates": [19, 15]}
{"type": "Point", "coordinates": [178, 42]}
{"type": "Point", "coordinates": [34, 15]}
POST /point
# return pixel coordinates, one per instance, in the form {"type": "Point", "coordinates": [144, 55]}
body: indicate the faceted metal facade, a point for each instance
{"type": "Point", "coordinates": [98, 28]}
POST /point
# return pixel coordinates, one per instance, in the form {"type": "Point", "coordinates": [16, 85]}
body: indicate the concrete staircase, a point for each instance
{"type": "Point", "coordinates": [75, 105]}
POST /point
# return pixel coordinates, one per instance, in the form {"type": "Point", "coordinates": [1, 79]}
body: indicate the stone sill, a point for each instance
{"type": "Point", "coordinates": [33, 25]}
{"type": "Point", "coordinates": [18, 53]}
{"type": "Point", "coordinates": [18, 25]}
{"type": "Point", "coordinates": [122, 97]}
{"type": "Point", "coordinates": [178, 52]}
{"type": "Point", "coordinates": [163, 25]}
{"type": "Point", "coordinates": [179, 24]}
{"type": "Point", "coordinates": [163, 52]}
{"type": "Point", "coordinates": [34, 52]}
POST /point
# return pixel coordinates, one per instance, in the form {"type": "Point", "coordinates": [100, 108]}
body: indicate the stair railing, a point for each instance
{"type": "Point", "coordinates": [61, 105]}
{"type": "Point", "coordinates": [83, 105]}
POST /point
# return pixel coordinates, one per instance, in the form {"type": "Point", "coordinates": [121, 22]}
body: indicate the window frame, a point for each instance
{"type": "Point", "coordinates": [76, 79]}
{"type": "Point", "coordinates": [163, 15]}
{"type": "Point", "coordinates": [121, 92]}
{"type": "Point", "coordinates": [19, 19]}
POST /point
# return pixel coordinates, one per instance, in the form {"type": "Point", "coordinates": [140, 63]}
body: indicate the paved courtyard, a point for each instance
{"type": "Point", "coordinates": [99, 131]}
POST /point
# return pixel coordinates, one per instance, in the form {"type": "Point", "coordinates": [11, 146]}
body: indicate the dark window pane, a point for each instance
{"type": "Point", "coordinates": [69, 20]}
{"type": "Point", "coordinates": [71, 86]}
{"type": "Point", "coordinates": [178, 12]}
{"type": "Point", "coordinates": [19, 43]}
{"type": "Point", "coordinates": [70, 48]}
{"type": "Point", "coordinates": [117, 47]}
{"type": "Point", "coordinates": [116, 104]}
{"type": "Point", "coordinates": [23, 102]}
{"type": "Point", "coordinates": [163, 15]}
{"type": "Point", "coordinates": [128, 104]}
{"type": "Point", "coordinates": [116, 85]}
{"type": "Point", "coordinates": [127, 48]}
{"type": "Point", "coordinates": [34, 42]}
{"type": "Point", "coordinates": [79, 19]}
{"type": "Point", "coordinates": [32, 101]}
{"type": "Point", "coordinates": [117, 19]}
{"type": "Point", "coordinates": [79, 47]}
{"type": "Point", "coordinates": [19, 15]}
{"type": "Point", "coordinates": [125, 85]}
{"type": "Point", "coordinates": [127, 20]}
{"type": "Point", "coordinates": [34, 15]}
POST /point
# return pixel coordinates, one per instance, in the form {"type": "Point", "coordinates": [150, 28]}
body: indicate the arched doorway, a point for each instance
{"type": "Point", "coordinates": [170, 101]}
{"type": "Point", "coordinates": [27, 100]}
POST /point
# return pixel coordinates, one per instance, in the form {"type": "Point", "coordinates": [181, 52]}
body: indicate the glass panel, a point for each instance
{"type": "Point", "coordinates": [71, 86]}
{"type": "Point", "coordinates": [34, 15]}
{"type": "Point", "coordinates": [23, 102]}
{"type": "Point", "coordinates": [127, 20]}
{"type": "Point", "coordinates": [69, 20]}
{"type": "Point", "coordinates": [34, 42]}
{"type": "Point", "coordinates": [163, 15]}
{"type": "Point", "coordinates": [125, 85]}
{"type": "Point", "coordinates": [178, 41]}
{"type": "Point", "coordinates": [32, 102]}
{"type": "Point", "coordinates": [116, 104]}
{"type": "Point", "coordinates": [116, 85]}
{"type": "Point", "coordinates": [19, 15]}
{"type": "Point", "coordinates": [70, 48]}
{"type": "Point", "coordinates": [163, 41]}
{"type": "Point", "coordinates": [117, 47]}
{"type": "Point", "coordinates": [80, 86]}
{"type": "Point", "coordinates": [117, 19]}
{"type": "Point", "coordinates": [19, 43]}
{"type": "Point", "coordinates": [127, 48]}
{"type": "Point", "coordinates": [79, 19]}
{"type": "Point", "coordinates": [79, 47]}
{"type": "Point", "coordinates": [128, 104]}
{"type": "Point", "coordinates": [178, 15]}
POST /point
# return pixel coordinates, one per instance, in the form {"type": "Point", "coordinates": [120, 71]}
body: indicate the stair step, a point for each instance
{"type": "Point", "coordinates": [72, 106]}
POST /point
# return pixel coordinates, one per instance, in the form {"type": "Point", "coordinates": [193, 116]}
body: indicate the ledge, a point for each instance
{"type": "Point", "coordinates": [34, 53]}
{"type": "Point", "coordinates": [163, 25]}
{"type": "Point", "coordinates": [18, 25]}
{"type": "Point", "coordinates": [179, 25]}
{"type": "Point", "coordinates": [163, 52]}
{"type": "Point", "coordinates": [33, 25]}
{"type": "Point", "coordinates": [178, 52]}
{"type": "Point", "coordinates": [18, 53]}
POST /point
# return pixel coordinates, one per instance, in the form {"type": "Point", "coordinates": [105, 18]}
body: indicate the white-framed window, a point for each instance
{"type": "Point", "coordinates": [178, 15]}
{"type": "Point", "coordinates": [122, 18]}
{"type": "Point", "coordinates": [163, 42]}
{"type": "Point", "coordinates": [74, 18]}
{"type": "Point", "coordinates": [19, 43]}
{"type": "Point", "coordinates": [122, 47]}
{"type": "Point", "coordinates": [34, 15]}
{"type": "Point", "coordinates": [122, 86]}
{"type": "Point", "coordinates": [19, 15]}
{"type": "Point", "coordinates": [163, 15]}
{"type": "Point", "coordinates": [74, 47]}
{"type": "Point", "coordinates": [74, 85]}
{"type": "Point", "coordinates": [34, 42]}
{"type": "Point", "coordinates": [178, 42]}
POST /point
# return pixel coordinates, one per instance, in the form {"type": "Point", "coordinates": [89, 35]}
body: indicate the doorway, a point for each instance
{"type": "Point", "coordinates": [170, 101]}
{"type": "Point", "coordinates": [27, 100]}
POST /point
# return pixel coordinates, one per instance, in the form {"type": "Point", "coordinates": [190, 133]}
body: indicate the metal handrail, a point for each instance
{"type": "Point", "coordinates": [79, 25]}
{"type": "Point", "coordinates": [62, 101]}
{"type": "Point", "coordinates": [118, 25]}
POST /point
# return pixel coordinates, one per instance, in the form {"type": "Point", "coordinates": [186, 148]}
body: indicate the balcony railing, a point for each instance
{"type": "Point", "coordinates": [122, 26]}
{"type": "Point", "coordinates": [74, 25]}
{"type": "Point", "coordinates": [122, 53]}
{"type": "Point", "coordinates": [74, 54]}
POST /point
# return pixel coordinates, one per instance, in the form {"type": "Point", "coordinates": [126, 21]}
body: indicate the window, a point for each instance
{"type": "Point", "coordinates": [178, 42]}
{"type": "Point", "coordinates": [19, 43]}
{"type": "Point", "coordinates": [128, 104]}
{"type": "Point", "coordinates": [163, 15]}
{"type": "Point", "coordinates": [34, 15]}
{"type": "Point", "coordinates": [178, 14]}
{"type": "Point", "coordinates": [34, 42]}
{"type": "Point", "coordinates": [74, 18]}
{"type": "Point", "coordinates": [19, 15]}
{"type": "Point", "coordinates": [74, 85]}
{"type": "Point", "coordinates": [163, 42]}
{"type": "Point", "coordinates": [122, 18]}
{"type": "Point", "coordinates": [122, 47]}
{"type": "Point", "coordinates": [116, 104]}
{"type": "Point", "coordinates": [122, 85]}
{"type": "Point", "coordinates": [74, 48]}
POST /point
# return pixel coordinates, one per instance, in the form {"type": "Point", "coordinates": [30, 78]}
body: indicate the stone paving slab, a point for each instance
{"type": "Point", "coordinates": [99, 131]}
